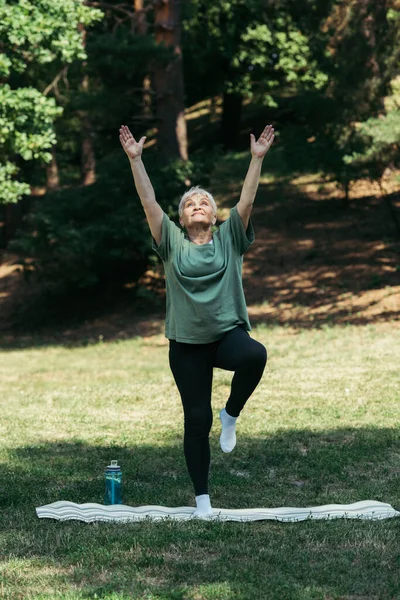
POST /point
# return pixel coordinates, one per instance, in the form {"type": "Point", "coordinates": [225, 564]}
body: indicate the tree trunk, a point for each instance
{"type": "Point", "coordinates": [230, 123]}
{"type": "Point", "coordinates": [392, 212]}
{"type": "Point", "coordinates": [13, 214]}
{"type": "Point", "coordinates": [11, 221]}
{"type": "Point", "coordinates": [52, 174]}
{"type": "Point", "coordinates": [168, 84]}
{"type": "Point", "coordinates": [346, 199]}
{"type": "Point", "coordinates": [88, 159]}
{"type": "Point", "coordinates": [141, 22]}
{"type": "Point", "coordinates": [141, 29]}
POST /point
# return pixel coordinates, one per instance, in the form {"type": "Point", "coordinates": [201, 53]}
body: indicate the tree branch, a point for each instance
{"type": "Point", "coordinates": [54, 83]}
{"type": "Point", "coordinates": [126, 8]}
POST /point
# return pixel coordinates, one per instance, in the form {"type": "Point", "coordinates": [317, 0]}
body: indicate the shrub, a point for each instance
{"type": "Point", "coordinates": [83, 237]}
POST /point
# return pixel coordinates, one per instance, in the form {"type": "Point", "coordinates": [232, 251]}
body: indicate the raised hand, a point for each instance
{"type": "Point", "coordinates": [132, 148]}
{"type": "Point", "coordinates": [261, 146]}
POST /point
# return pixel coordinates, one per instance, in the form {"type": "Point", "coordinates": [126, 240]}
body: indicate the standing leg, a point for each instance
{"type": "Point", "coordinates": [192, 368]}
{"type": "Point", "coordinates": [238, 352]}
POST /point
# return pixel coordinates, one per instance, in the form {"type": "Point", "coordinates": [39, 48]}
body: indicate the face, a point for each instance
{"type": "Point", "coordinates": [197, 209]}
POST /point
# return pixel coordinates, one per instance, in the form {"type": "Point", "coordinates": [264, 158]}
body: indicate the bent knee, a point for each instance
{"type": "Point", "coordinates": [257, 354]}
{"type": "Point", "coordinates": [198, 422]}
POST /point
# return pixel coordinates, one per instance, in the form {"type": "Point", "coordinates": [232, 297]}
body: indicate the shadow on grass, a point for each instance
{"type": "Point", "coordinates": [218, 561]}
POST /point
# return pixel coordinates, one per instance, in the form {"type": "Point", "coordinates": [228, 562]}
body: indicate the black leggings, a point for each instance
{"type": "Point", "coordinates": [192, 367]}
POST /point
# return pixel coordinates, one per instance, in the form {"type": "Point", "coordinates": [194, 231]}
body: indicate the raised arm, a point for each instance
{"type": "Point", "coordinates": [152, 209]}
{"type": "Point", "coordinates": [259, 149]}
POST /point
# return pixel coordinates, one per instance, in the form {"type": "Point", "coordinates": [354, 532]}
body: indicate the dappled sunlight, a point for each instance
{"type": "Point", "coordinates": [34, 577]}
{"type": "Point", "coordinates": [321, 264]}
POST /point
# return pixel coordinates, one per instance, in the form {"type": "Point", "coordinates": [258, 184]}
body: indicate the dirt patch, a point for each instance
{"type": "Point", "coordinates": [315, 262]}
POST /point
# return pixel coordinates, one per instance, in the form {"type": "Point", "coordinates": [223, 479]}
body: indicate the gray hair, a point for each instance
{"type": "Point", "coordinates": [196, 190]}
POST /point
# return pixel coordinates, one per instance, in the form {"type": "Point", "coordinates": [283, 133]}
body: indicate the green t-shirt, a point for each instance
{"type": "Point", "coordinates": [205, 297]}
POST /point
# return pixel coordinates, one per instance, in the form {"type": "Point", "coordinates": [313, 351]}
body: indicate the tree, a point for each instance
{"type": "Point", "coordinates": [368, 32]}
{"type": "Point", "coordinates": [378, 145]}
{"type": "Point", "coordinates": [34, 34]}
{"type": "Point", "coordinates": [168, 83]}
{"type": "Point", "coordinates": [249, 49]}
{"type": "Point", "coordinates": [80, 237]}
{"type": "Point", "coordinates": [88, 159]}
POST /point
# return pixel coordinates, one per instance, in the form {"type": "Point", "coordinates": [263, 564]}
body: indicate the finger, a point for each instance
{"type": "Point", "coordinates": [270, 135]}
{"type": "Point", "coordinates": [267, 131]}
{"type": "Point", "coordinates": [142, 140]}
{"type": "Point", "coordinates": [123, 132]}
{"type": "Point", "coordinates": [126, 133]}
{"type": "Point", "coordinates": [252, 138]}
{"type": "Point", "coordinates": [124, 137]}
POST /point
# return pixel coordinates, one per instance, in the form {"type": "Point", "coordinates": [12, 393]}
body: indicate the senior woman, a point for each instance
{"type": "Point", "coordinates": [207, 323]}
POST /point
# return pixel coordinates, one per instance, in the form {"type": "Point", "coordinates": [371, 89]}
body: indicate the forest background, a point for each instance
{"type": "Point", "coordinates": [197, 78]}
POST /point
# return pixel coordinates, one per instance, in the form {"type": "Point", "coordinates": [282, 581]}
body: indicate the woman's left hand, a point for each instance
{"type": "Point", "coordinates": [261, 146]}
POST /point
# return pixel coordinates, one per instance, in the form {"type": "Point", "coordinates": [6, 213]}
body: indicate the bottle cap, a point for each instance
{"type": "Point", "coordinates": [114, 465]}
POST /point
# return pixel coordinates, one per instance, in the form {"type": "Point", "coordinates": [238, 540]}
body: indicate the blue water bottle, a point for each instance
{"type": "Point", "coordinates": [113, 475]}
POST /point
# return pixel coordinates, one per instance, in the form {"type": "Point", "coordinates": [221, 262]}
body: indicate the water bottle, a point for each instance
{"type": "Point", "coordinates": [113, 475]}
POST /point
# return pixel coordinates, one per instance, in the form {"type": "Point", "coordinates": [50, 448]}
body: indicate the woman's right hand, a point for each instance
{"type": "Point", "coordinates": [132, 148]}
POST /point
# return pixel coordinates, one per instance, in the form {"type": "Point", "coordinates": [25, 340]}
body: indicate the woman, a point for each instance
{"type": "Point", "coordinates": [206, 322]}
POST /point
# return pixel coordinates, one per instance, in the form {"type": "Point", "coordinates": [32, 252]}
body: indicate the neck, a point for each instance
{"type": "Point", "coordinates": [199, 235]}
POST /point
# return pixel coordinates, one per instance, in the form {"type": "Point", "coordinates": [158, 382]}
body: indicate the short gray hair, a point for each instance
{"type": "Point", "coordinates": [196, 190]}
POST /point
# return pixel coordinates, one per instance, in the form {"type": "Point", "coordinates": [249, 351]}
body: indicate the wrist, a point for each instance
{"type": "Point", "coordinates": [137, 159]}
{"type": "Point", "coordinates": [257, 158]}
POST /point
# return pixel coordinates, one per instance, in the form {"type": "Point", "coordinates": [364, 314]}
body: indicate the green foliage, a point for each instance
{"type": "Point", "coordinates": [116, 67]}
{"type": "Point", "coordinates": [26, 122]}
{"type": "Point", "coordinates": [11, 188]}
{"type": "Point", "coordinates": [379, 139]}
{"type": "Point", "coordinates": [80, 237]}
{"type": "Point", "coordinates": [42, 31]}
{"type": "Point", "coordinates": [368, 33]}
{"type": "Point", "coordinates": [32, 34]}
{"type": "Point", "coordinates": [254, 48]}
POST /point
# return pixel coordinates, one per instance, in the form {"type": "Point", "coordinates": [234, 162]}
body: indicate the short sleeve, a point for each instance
{"type": "Point", "coordinates": [241, 238]}
{"type": "Point", "coordinates": [170, 234]}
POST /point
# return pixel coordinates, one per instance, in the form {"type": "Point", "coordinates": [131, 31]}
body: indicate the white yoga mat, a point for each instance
{"type": "Point", "coordinates": [64, 511]}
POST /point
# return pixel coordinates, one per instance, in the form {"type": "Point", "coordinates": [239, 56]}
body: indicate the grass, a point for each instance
{"type": "Point", "coordinates": [322, 427]}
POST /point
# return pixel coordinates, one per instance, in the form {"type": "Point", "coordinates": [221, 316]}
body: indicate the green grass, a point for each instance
{"type": "Point", "coordinates": [322, 427]}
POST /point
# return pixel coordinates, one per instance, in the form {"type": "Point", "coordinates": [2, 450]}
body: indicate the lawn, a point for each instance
{"type": "Point", "coordinates": [322, 427]}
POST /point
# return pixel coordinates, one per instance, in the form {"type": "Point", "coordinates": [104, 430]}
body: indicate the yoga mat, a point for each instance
{"type": "Point", "coordinates": [65, 511]}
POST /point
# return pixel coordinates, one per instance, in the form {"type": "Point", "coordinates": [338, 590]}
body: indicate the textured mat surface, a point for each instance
{"type": "Point", "coordinates": [64, 511]}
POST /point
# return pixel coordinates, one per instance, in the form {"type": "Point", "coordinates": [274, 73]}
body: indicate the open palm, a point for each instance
{"type": "Point", "coordinates": [130, 145]}
{"type": "Point", "coordinates": [261, 146]}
